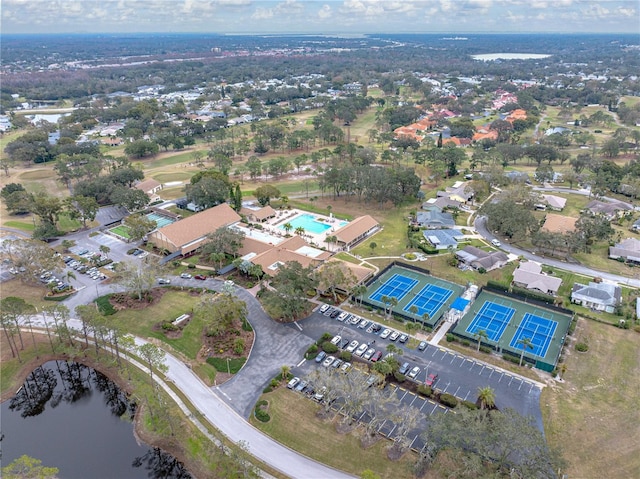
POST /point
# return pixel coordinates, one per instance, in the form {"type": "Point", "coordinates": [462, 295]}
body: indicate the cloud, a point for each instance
{"type": "Point", "coordinates": [325, 12]}
{"type": "Point", "coordinates": [262, 13]}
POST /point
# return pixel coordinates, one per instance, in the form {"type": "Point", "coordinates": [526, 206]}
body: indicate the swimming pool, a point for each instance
{"type": "Point", "coordinates": [160, 220]}
{"type": "Point", "coordinates": [310, 224]}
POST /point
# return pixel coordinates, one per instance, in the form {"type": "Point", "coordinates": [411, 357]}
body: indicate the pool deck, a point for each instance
{"type": "Point", "coordinates": [273, 226]}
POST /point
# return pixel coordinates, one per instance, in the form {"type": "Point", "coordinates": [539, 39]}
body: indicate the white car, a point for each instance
{"type": "Point", "coordinates": [336, 340]}
{"type": "Point", "coordinates": [328, 361]}
{"type": "Point", "coordinates": [352, 346]}
{"type": "Point", "coordinates": [414, 372]}
{"type": "Point", "coordinates": [496, 243]}
{"type": "Point", "coordinates": [369, 353]}
{"type": "Point", "coordinates": [364, 323]}
{"type": "Point", "coordinates": [345, 367]}
{"type": "Point", "coordinates": [324, 307]}
{"type": "Point", "coordinates": [394, 336]}
{"type": "Point", "coordinates": [342, 316]}
{"type": "Point", "coordinates": [361, 349]}
{"type": "Point", "coordinates": [385, 334]}
{"type": "Point", "coordinates": [185, 276]}
{"type": "Point", "coordinates": [293, 383]}
{"type": "Point", "coordinates": [355, 319]}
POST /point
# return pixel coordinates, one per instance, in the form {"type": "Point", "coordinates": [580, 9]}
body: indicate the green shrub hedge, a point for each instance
{"type": "Point", "coordinates": [329, 348]}
{"type": "Point", "coordinates": [262, 416]}
{"type": "Point", "coordinates": [448, 400]}
{"type": "Point", "coordinates": [104, 305]}
{"type": "Point", "coordinates": [469, 405]}
{"type": "Point", "coordinates": [451, 338]}
{"type": "Point", "coordinates": [582, 347]}
{"type": "Point", "coordinates": [425, 390]}
{"type": "Point", "coordinates": [345, 356]}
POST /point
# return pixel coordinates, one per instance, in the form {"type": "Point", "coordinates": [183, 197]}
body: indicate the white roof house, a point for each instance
{"type": "Point", "coordinates": [529, 275]}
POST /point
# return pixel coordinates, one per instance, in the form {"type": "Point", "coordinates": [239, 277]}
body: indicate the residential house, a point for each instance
{"type": "Point", "coordinates": [356, 231]}
{"type": "Point", "coordinates": [628, 249]}
{"type": "Point", "coordinates": [554, 223]}
{"type": "Point", "coordinates": [518, 177]}
{"type": "Point", "coordinates": [477, 258]}
{"type": "Point", "coordinates": [608, 210]}
{"type": "Point", "coordinates": [529, 275]}
{"type": "Point", "coordinates": [112, 141]}
{"type": "Point", "coordinates": [556, 203]}
{"type": "Point", "coordinates": [443, 239]}
{"type": "Point", "coordinates": [597, 296]}
{"type": "Point", "coordinates": [150, 187]}
{"type": "Point", "coordinates": [434, 217]}
{"type": "Point", "coordinates": [187, 235]}
{"type": "Point", "coordinates": [269, 256]}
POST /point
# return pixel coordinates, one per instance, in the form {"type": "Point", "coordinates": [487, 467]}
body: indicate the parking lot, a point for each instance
{"type": "Point", "coordinates": [458, 375]}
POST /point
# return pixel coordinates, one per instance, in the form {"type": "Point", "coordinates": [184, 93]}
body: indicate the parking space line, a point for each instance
{"type": "Point", "coordinates": [452, 360]}
{"type": "Point", "coordinates": [456, 393]}
{"type": "Point", "coordinates": [521, 383]}
{"type": "Point", "coordinates": [501, 376]}
{"type": "Point", "coordinates": [492, 371]}
{"type": "Point", "coordinates": [413, 400]}
{"type": "Point", "coordinates": [434, 352]}
{"type": "Point", "coordinates": [393, 429]}
{"type": "Point", "coordinates": [530, 388]}
{"type": "Point", "coordinates": [466, 395]}
{"type": "Point", "coordinates": [481, 370]}
{"type": "Point", "coordinates": [434, 409]}
{"type": "Point", "coordinates": [510, 381]}
{"type": "Point", "coordinates": [405, 393]}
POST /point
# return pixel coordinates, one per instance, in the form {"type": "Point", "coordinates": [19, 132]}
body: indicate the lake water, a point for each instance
{"type": "Point", "coordinates": [509, 56]}
{"type": "Point", "coordinates": [74, 418]}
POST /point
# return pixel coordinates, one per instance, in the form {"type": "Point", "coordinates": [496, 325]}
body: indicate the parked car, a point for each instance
{"type": "Point", "coordinates": [345, 367]}
{"type": "Point", "coordinates": [320, 357]}
{"type": "Point", "coordinates": [301, 385]}
{"type": "Point", "coordinates": [293, 383]}
{"type": "Point", "coordinates": [403, 338]}
{"type": "Point", "coordinates": [328, 361]}
{"type": "Point", "coordinates": [185, 276]}
{"type": "Point", "coordinates": [385, 334]}
{"type": "Point", "coordinates": [336, 340]}
{"type": "Point", "coordinates": [496, 243]}
{"type": "Point", "coordinates": [404, 368]}
{"type": "Point", "coordinates": [355, 319]}
{"type": "Point", "coordinates": [164, 281]}
{"type": "Point", "coordinates": [422, 346]}
{"type": "Point", "coordinates": [342, 316]}
{"type": "Point", "coordinates": [364, 323]}
{"type": "Point", "coordinates": [431, 379]}
{"type": "Point", "coordinates": [376, 356]}
{"type": "Point", "coordinates": [414, 372]}
{"type": "Point", "coordinates": [201, 277]}
{"type": "Point", "coordinates": [369, 353]}
{"type": "Point", "coordinates": [320, 394]}
{"type": "Point", "coordinates": [395, 335]}
{"type": "Point", "coordinates": [324, 307]}
{"type": "Point", "coordinates": [352, 346]}
{"type": "Point", "coordinates": [361, 349]}
{"type": "Point", "coordinates": [334, 314]}
{"type": "Point", "coordinates": [329, 311]}
{"type": "Point", "coordinates": [337, 363]}
{"type": "Point", "coordinates": [375, 327]}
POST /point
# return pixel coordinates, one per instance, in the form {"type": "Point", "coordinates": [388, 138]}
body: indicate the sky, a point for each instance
{"type": "Point", "coordinates": [320, 16]}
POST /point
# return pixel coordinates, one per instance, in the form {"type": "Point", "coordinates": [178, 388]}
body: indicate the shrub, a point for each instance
{"type": "Point", "coordinates": [131, 250]}
{"type": "Point", "coordinates": [329, 348]}
{"type": "Point", "coordinates": [167, 326]}
{"type": "Point", "coordinates": [61, 297]}
{"type": "Point", "coordinates": [399, 377]}
{"type": "Point", "coordinates": [482, 270]}
{"type": "Point", "coordinates": [246, 326]}
{"type": "Point", "coordinates": [238, 346]}
{"type": "Point", "coordinates": [191, 266]}
{"type": "Point", "coordinates": [465, 342]}
{"type": "Point", "coordinates": [345, 356]}
{"type": "Point", "coordinates": [262, 416]}
{"type": "Point", "coordinates": [93, 233]}
{"type": "Point", "coordinates": [486, 349]}
{"type": "Point", "coordinates": [410, 256]}
{"type": "Point", "coordinates": [511, 359]}
{"type": "Point", "coordinates": [469, 405]}
{"type": "Point", "coordinates": [448, 400]}
{"type": "Point", "coordinates": [313, 349]}
{"type": "Point", "coordinates": [450, 338]}
{"type": "Point", "coordinates": [326, 337]}
{"type": "Point", "coordinates": [262, 402]}
{"type": "Point", "coordinates": [268, 389]}
{"type": "Point", "coordinates": [425, 390]}
{"type": "Point", "coordinates": [582, 347]}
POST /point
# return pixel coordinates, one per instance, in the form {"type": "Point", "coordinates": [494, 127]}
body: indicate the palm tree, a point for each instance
{"type": "Point", "coordinates": [562, 368]}
{"type": "Point", "coordinates": [385, 300]}
{"type": "Point", "coordinates": [359, 291]}
{"type": "Point", "coordinates": [413, 309]}
{"type": "Point", "coordinates": [104, 249]}
{"type": "Point", "coordinates": [284, 371]}
{"type": "Point", "coordinates": [393, 301]}
{"type": "Point", "coordinates": [425, 318]}
{"type": "Point", "coordinates": [486, 398]}
{"type": "Point", "coordinates": [70, 275]}
{"type": "Point", "coordinates": [525, 343]}
{"type": "Point", "coordinates": [287, 227]}
{"type": "Point", "coordinates": [480, 335]}
{"type": "Point", "coordinates": [299, 231]}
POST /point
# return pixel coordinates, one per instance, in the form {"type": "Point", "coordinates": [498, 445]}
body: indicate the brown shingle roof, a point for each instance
{"type": "Point", "coordinates": [147, 185]}
{"type": "Point", "coordinates": [355, 229]}
{"type": "Point", "coordinates": [559, 224]}
{"type": "Point", "coordinates": [199, 225]}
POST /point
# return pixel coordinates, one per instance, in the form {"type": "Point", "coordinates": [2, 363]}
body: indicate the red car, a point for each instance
{"type": "Point", "coordinates": [431, 379]}
{"type": "Point", "coordinates": [200, 276]}
{"type": "Point", "coordinates": [376, 356]}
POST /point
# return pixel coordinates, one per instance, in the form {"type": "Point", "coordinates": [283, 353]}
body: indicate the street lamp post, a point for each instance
{"type": "Point", "coordinates": [228, 367]}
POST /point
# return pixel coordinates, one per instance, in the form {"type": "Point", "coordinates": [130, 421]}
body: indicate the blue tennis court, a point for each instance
{"type": "Point", "coordinates": [538, 329]}
{"type": "Point", "coordinates": [492, 318]}
{"type": "Point", "coordinates": [429, 300]}
{"type": "Point", "coordinates": [395, 287]}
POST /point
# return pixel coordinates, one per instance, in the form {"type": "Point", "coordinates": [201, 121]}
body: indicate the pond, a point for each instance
{"type": "Point", "coordinates": [74, 418]}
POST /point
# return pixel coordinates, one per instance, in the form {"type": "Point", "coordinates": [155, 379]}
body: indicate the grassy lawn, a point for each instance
{"type": "Point", "coordinates": [317, 439]}
{"type": "Point", "coordinates": [586, 415]}
{"type": "Point", "coordinates": [121, 230]}
{"type": "Point", "coordinates": [32, 294]}
{"type": "Point", "coordinates": [172, 305]}
{"type": "Point", "coordinates": [172, 193]}
{"type": "Point", "coordinates": [26, 225]}
{"type": "Point", "coordinates": [176, 176]}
